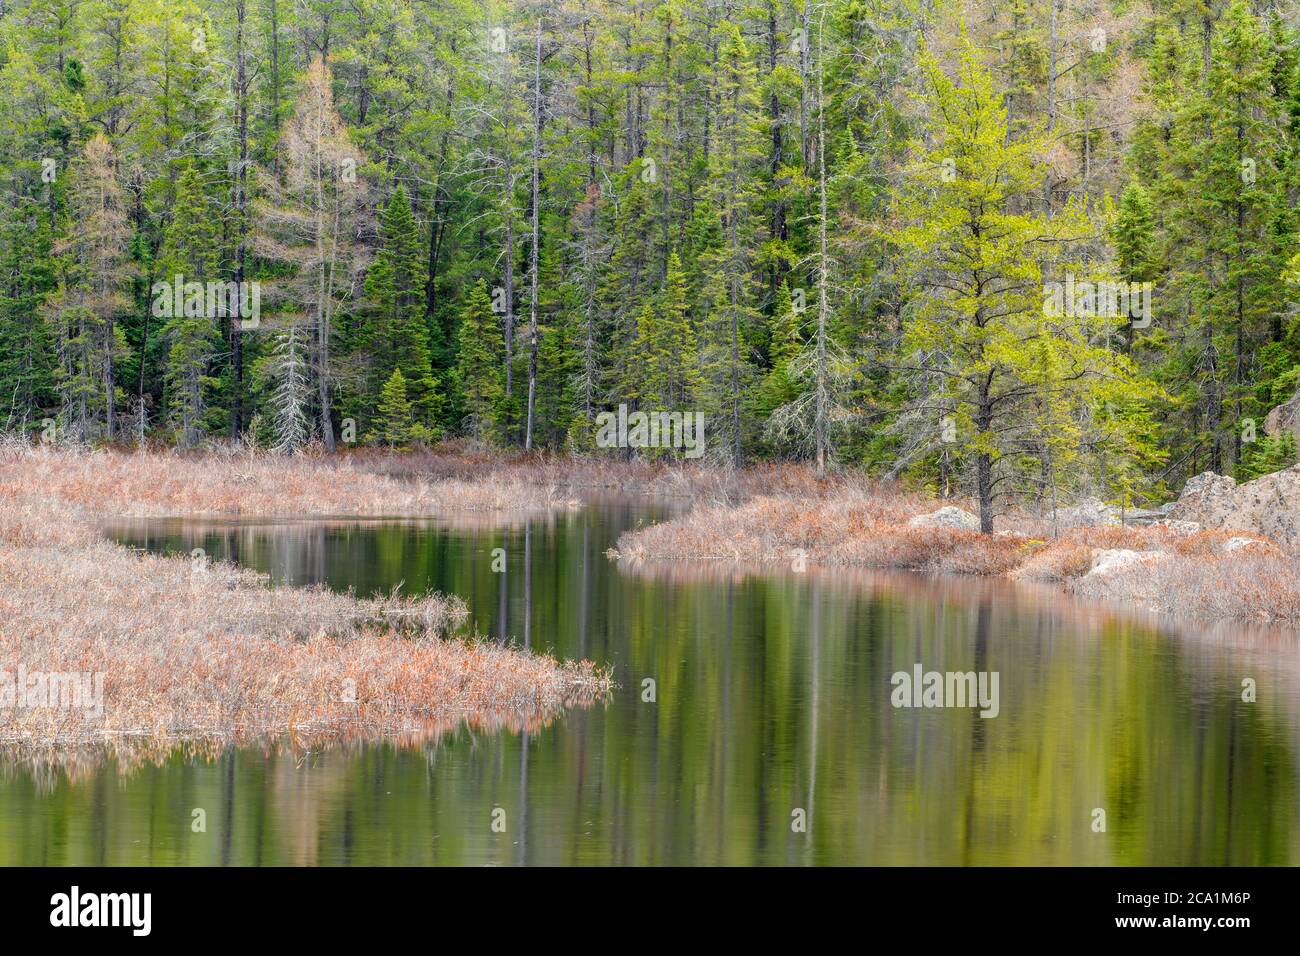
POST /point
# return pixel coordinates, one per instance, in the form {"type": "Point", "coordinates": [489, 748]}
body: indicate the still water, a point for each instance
{"type": "Point", "coordinates": [752, 724]}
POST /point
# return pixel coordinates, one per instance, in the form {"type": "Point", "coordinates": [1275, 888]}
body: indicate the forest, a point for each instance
{"type": "Point", "coordinates": [1026, 248]}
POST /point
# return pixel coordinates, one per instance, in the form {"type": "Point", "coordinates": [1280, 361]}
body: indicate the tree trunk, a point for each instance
{"type": "Point", "coordinates": [984, 462]}
{"type": "Point", "coordinates": [533, 264]}
{"type": "Point", "coordinates": [822, 401]}
{"type": "Point", "coordinates": [241, 212]}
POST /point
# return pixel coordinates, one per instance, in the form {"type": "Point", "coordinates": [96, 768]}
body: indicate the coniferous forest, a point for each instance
{"type": "Point", "coordinates": [1026, 247]}
{"type": "Point", "coordinates": [655, 433]}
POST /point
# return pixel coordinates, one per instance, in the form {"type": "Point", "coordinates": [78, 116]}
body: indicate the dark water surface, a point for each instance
{"type": "Point", "coordinates": [771, 705]}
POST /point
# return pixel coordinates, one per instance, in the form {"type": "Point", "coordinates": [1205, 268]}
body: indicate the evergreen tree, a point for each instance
{"type": "Point", "coordinates": [27, 358]}
{"type": "Point", "coordinates": [730, 316]}
{"type": "Point", "coordinates": [976, 266]}
{"type": "Point", "coordinates": [478, 367]}
{"type": "Point", "coordinates": [286, 378]}
{"type": "Point", "coordinates": [188, 260]}
{"type": "Point", "coordinates": [95, 276]}
{"type": "Point", "coordinates": [395, 423]}
{"type": "Point", "coordinates": [1227, 145]}
{"type": "Point", "coordinates": [667, 354]}
{"type": "Point", "coordinates": [310, 220]}
{"type": "Point", "coordinates": [395, 336]}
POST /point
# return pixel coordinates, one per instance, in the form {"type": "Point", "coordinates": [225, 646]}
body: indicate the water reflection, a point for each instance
{"type": "Point", "coordinates": [769, 697]}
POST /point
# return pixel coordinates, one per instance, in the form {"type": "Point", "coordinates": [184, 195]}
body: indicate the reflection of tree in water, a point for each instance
{"type": "Point", "coordinates": [773, 694]}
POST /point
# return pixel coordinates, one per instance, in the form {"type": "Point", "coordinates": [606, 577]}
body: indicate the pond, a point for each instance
{"type": "Point", "coordinates": [753, 724]}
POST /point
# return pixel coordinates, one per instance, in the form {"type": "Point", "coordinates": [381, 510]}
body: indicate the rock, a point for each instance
{"type": "Point", "coordinates": [1285, 417]}
{"type": "Point", "coordinates": [1240, 543]}
{"type": "Point", "coordinates": [1268, 506]}
{"type": "Point", "coordinates": [1107, 561]}
{"type": "Point", "coordinates": [1177, 527]}
{"type": "Point", "coordinates": [1206, 492]}
{"type": "Point", "coordinates": [947, 517]}
{"type": "Point", "coordinates": [1143, 516]}
{"type": "Point", "coordinates": [1088, 513]}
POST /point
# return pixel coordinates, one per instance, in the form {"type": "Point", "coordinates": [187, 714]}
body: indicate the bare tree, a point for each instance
{"type": "Point", "coordinates": [315, 216]}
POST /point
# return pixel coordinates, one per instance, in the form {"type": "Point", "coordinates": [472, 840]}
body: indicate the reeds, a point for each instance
{"type": "Point", "coordinates": [867, 526]}
{"type": "Point", "coordinates": [210, 655]}
{"type": "Point", "coordinates": [165, 483]}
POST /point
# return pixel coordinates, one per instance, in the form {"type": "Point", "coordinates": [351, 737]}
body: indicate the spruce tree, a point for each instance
{"type": "Point", "coordinates": [1227, 144]}
{"type": "Point", "coordinates": [728, 291]}
{"type": "Point", "coordinates": [189, 257]}
{"type": "Point", "coordinates": [667, 355]}
{"type": "Point", "coordinates": [478, 366]}
{"type": "Point", "coordinates": [395, 335]}
{"type": "Point", "coordinates": [395, 425]}
{"type": "Point", "coordinates": [27, 358]}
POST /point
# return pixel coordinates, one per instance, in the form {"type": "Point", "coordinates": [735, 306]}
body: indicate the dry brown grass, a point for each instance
{"type": "Point", "coordinates": [467, 461]}
{"type": "Point", "coordinates": [209, 654]}
{"type": "Point", "coordinates": [154, 483]}
{"type": "Point", "coordinates": [771, 527]}
{"type": "Point", "coordinates": [454, 480]}
{"type": "Point", "coordinates": [857, 525]}
{"type": "Point", "coordinates": [1237, 587]}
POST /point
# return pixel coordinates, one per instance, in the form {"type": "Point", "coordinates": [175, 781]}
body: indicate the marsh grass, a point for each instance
{"type": "Point", "coordinates": [165, 483]}
{"type": "Point", "coordinates": [866, 526]}
{"type": "Point", "coordinates": [208, 655]}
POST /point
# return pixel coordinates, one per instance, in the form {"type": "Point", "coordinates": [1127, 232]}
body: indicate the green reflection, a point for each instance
{"type": "Point", "coordinates": [771, 695]}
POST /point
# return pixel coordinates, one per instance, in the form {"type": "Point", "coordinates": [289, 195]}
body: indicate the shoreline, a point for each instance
{"type": "Point", "coordinates": [214, 657]}
{"type": "Point", "coordinates": [1217, 575]}
{"type": "Point", "coordinates": [203, 656]}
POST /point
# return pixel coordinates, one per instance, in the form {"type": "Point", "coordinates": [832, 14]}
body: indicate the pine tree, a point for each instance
{"type": "Point", "coordinates": [92, 294]}
{"type": "Point", "coordinates": [395, 336]}
{"type": "Point", "coordinates": [590, 250]}
{"type": "Point", "coordinates": [1267, 455]}
{"type": "Point", "coordinates": [310, 219]}
{"type": "Point", "coordinates": [726, 365]}
{"type": "Point", "coordinates": [188, 256]}
{"type": "Point", "coordinates": [287, 379]}
{"type": "Point", "coordinates": [785, 342]}
{"type": "Point", "coordinates": [1133, 236]}
{"type": "Point", "coordinates": [976, 267]}
{"type": "Point", "coordinates": [629, 283]}
{"type": "Point", "coordinates": [395, 424]}
{"type": "Point", "coordinates": [27, 357]}
{"type": "Point", "coordinates": [478, 366]}
{"type": "Point", "coordinates": [666, 347]}
{"type": "Point", "coordinates": [1227, 143]}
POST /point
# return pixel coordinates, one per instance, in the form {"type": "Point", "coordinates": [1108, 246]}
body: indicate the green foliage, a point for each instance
{"type": "Point", "coordinates": [1009, 380]}
{"type": "Point", "coordinates": [396, 424]}
{"type": "Point", "coordinates": [381, 196]}
{"type": "Point", "coordinates": [479, 375]}
{"type": "Point", "coordinates": [188, 258]}
{"type": "Point", "coordinates": [1267, 455]}
{"type": "Point", "coordinates": [395, 336]}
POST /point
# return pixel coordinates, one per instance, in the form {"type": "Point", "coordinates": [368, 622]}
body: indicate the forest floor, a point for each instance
{"type": "Point", "coordinates": [132, 654]}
